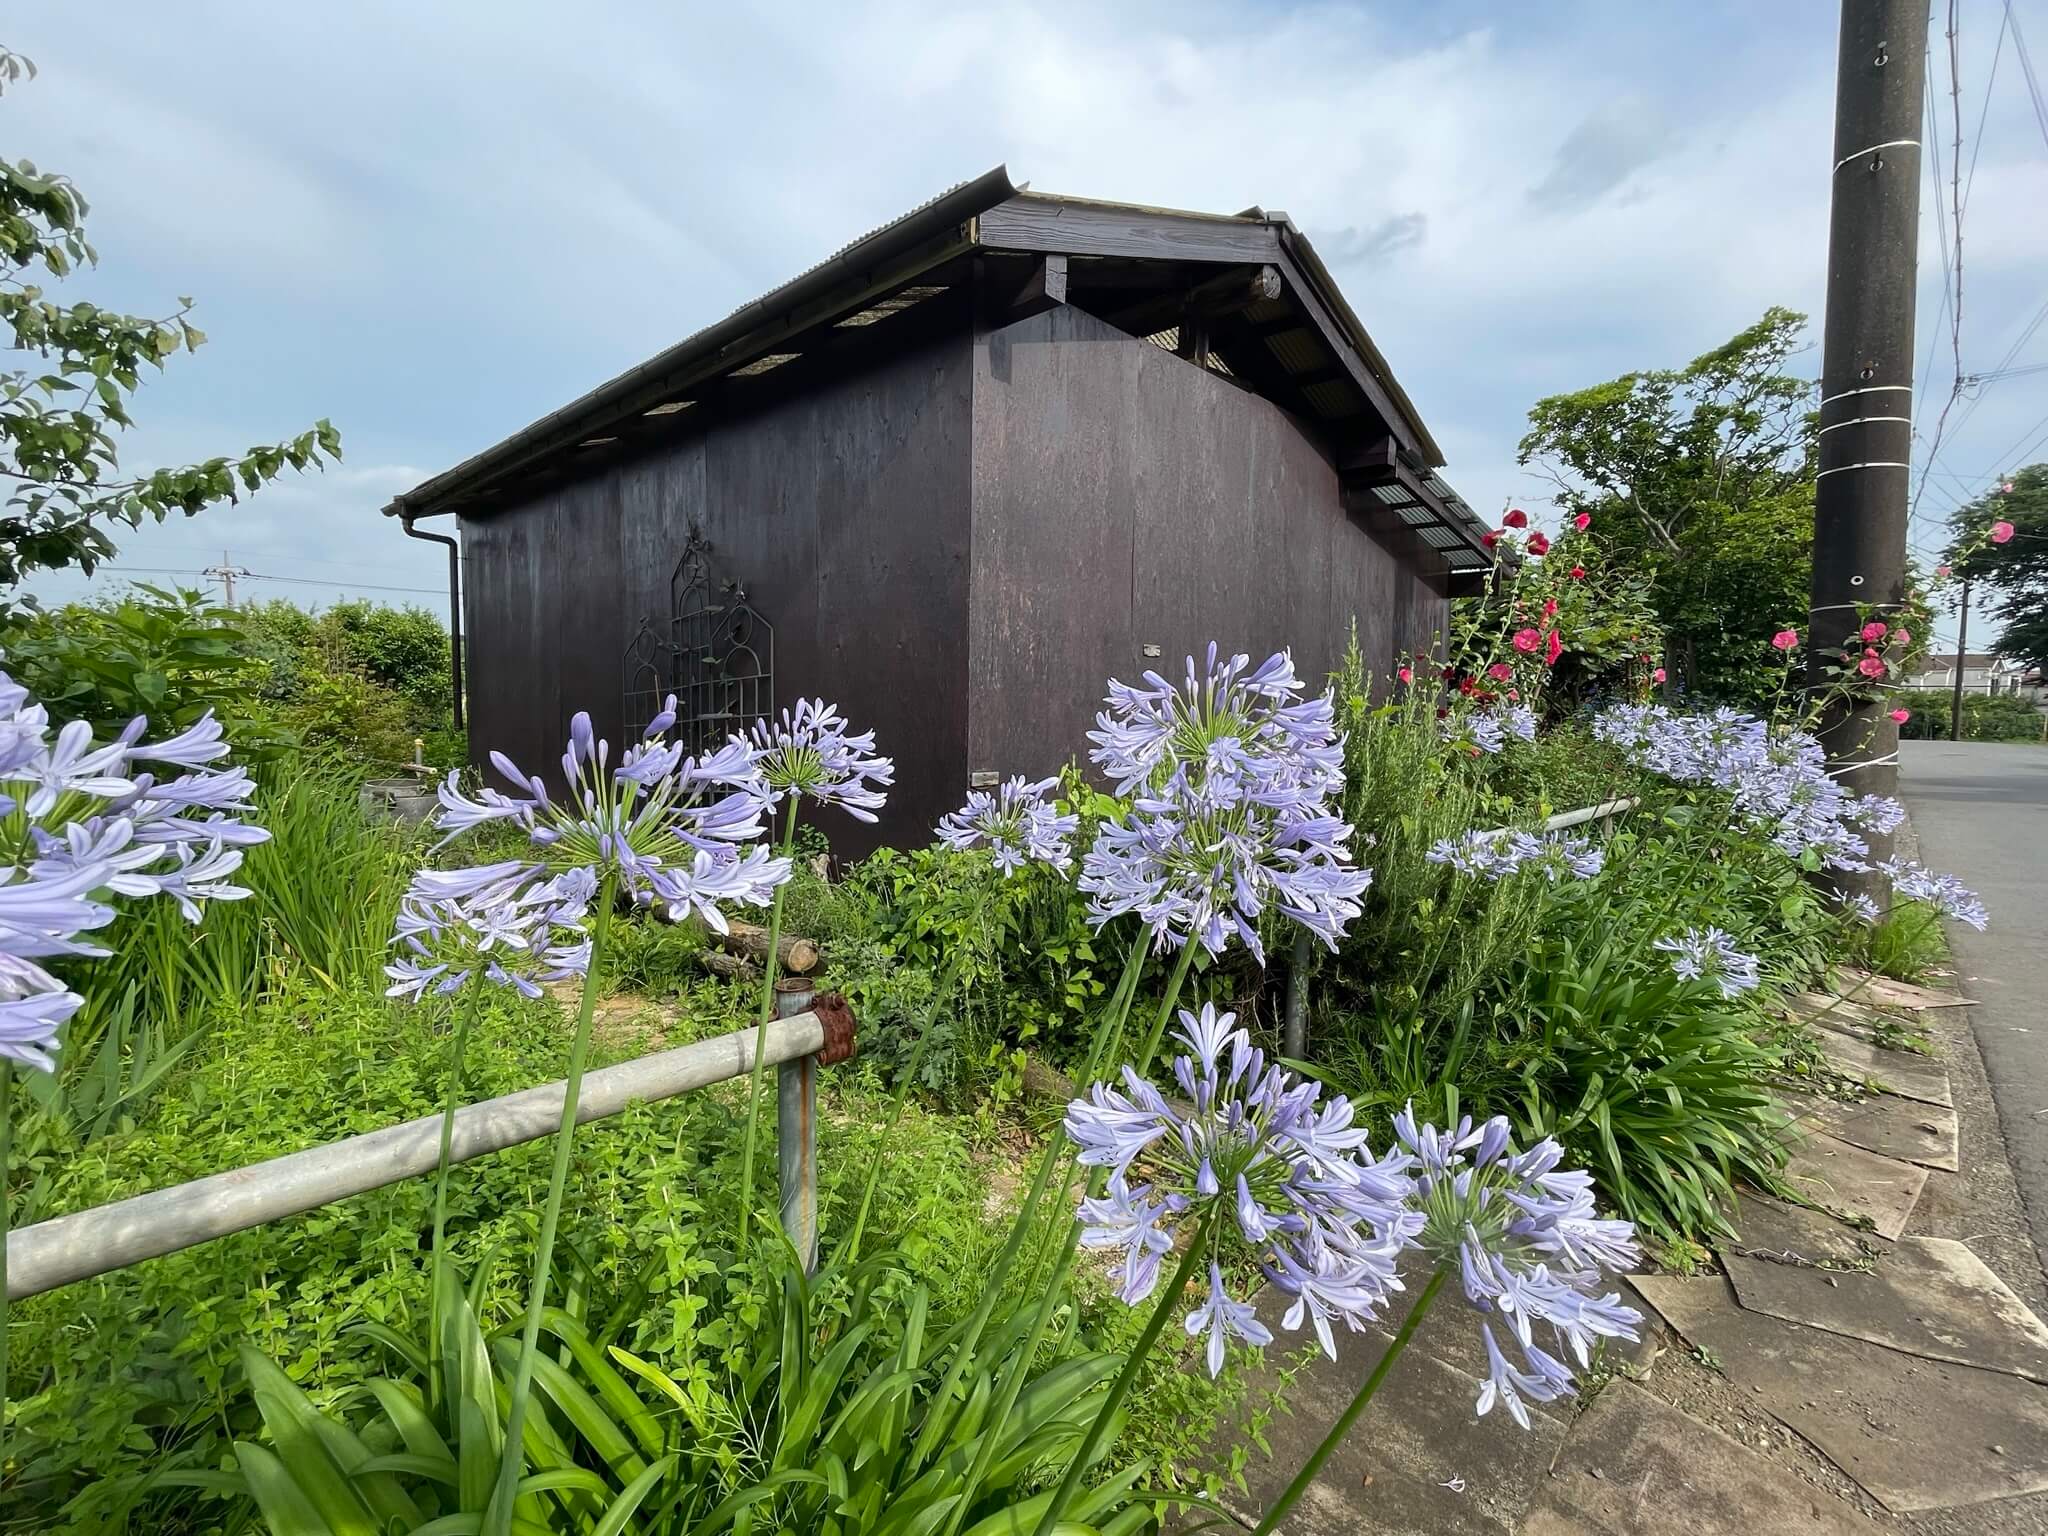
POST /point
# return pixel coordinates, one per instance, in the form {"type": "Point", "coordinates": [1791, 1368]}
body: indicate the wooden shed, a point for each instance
{"type": "Point", "coordinates": [953, 478]}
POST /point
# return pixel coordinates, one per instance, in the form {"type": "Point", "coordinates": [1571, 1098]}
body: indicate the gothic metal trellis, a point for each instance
{"type": "Point", "coordinates": [715, 653]}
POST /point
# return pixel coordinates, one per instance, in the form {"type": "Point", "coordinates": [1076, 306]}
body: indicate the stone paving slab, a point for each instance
{"type": "Point", "coordinates": [1794, 1234]}
{"type": "Point", "coordinates": [1918, 1434]}
{"type": "Point", "coordinates": [1912, 1132]}
{"type": "Point", "coordinates": [1904, 1073]}
{"type": "Point", "coordinates": [1826, 1012]}
{"type": "Point", "coordinates": [1418, 1461]}
{"type": "Point", "coordinates": [1929, 1296]}
{"type": "Point", "coordinates": [1851, 1182]}
{"type": "Point", "coordinates": [1886, 993]}
{"type": "Point", "coordinates": [1634, 1464]}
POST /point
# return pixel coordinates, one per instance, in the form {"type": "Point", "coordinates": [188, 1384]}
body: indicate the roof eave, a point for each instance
{"type": "Point", "coordinates": [603, 405]}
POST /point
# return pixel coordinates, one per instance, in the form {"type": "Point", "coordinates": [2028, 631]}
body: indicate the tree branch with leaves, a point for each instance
{"type": "Point", "coordinates": [66, 399]}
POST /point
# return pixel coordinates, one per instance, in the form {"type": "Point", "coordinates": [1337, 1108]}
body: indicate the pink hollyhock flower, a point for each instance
{"type": "Point", "coordinates": [1657, 676]}
{"type": "Point", "coordinates": [1406, 674]}
{"type": "Point", "coordinates": [1872, 664]}
{"type": "Point", "coordinates": [1539, 544]}
{"type": "Point", "coordinates": [1526, 641]}
{"type": "Point", "coordinates": [1516, 519]}
{"type": "Point", "coordinates": [1941, 570]}
{"type": "Point", "coordinates": [2001, 532]}
{"type": "Point", "coordinates": [1553, 647]}
{"type": "Point", "coordinates": [1578, 573]}
{"type": "Point", "coordinates": [1514, 695]}
{"type": "Point", "coordinates": [1875, 631]}
{"type": "Point", "coordinates": [1785, 639]}
{"type": "Point", "coordinates": [1583, 521]}
{"type": "Point", "coordinates": [1549, 607]}
{"type": "Point", "coordinates": [1501, 672]}
{"type": "Point", "coordinates": [1901, 716]}
{"type": "Point", "coordinates": [1903, 637]}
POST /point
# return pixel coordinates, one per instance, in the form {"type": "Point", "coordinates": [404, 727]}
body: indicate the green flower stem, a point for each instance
{"type": "Point", "coordinates": [1166, 1001]}
{"type": "Point", "coordinates": [498, 1518]}
{"type": "Point", "coordinates": [6, 1147]}
{"type": "Point", "coordinates": [768, 965]}
{"type": "Point", "coordinates": [1092, 1443]}
{"type": "Point", "coordinates": [471, 1002]}
{"type": "Point", "coordinates": [1277, 1511]}
{"type": "Point", "coordinates": [937, 1421]}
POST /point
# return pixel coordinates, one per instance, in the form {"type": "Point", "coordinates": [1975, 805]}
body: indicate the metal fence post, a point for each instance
{"type": "Point", "coordinates": [796, 1131]}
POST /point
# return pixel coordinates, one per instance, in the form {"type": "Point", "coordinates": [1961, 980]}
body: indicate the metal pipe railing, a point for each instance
{"type": "Point", "coordinates": [109, 1237]}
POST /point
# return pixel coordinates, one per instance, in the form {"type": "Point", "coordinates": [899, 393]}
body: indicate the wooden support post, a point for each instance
{"type": "Point", "coordinates": [1045, 289]}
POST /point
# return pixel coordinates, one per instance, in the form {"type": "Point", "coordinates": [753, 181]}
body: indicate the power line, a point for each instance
{"type": "Point", "coordinates": [310, 581]}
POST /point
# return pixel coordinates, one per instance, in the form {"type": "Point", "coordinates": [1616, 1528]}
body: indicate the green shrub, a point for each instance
{"type": "Point", "coordinates": [1986, 717]}
{"type": "Point", "coordinates": [169, 655]}
{"type": "Point", "coordinates": [1906, 943]}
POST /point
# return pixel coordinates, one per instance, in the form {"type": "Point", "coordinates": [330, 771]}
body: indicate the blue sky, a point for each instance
{"type": "Point", "coordinates": [433, 224]}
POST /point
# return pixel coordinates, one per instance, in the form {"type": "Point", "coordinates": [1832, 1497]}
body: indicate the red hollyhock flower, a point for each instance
{"type": "Point", "coordinates": [1875, 631]}
{"type": "Point", "coordinates": [1583, 521]}
{"type": "Point", "coordinates": [1578, 573]}
{"type": "Point", "coordinates": [1550, 607]}
{"type": "Point", "coordinates": [1516, 519]}
{"type": "Point", "coordinates": [1465, 686]}
{"type": "Point", "coordinates": [1538, 544]}
{"type": "Point", "coordinates": [1500, 672]}
{"type": "Point", "coordinates": [1406, 675]}
{"type": "Point", "coordinates": [1553, 647]}
{"type": "Point", "coordinates": [1488, 539]}
{"type": "Point", "coordinates": [1527, 640]}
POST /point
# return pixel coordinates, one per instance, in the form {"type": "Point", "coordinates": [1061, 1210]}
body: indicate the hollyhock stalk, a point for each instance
{"type": "Point", "coordinates": [498, 1518]}
{"type": "Point", "coordinates": [769, 965]}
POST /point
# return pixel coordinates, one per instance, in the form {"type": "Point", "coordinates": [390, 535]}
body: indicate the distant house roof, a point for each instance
{"type": "Point", "coordinates": [1282, 329]}
{"type": "Point", "coordinates": [1936, 662]}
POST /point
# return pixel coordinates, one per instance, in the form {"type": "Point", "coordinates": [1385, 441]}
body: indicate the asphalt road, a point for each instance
{"type": "Point", "coordinates": [1981, 812]}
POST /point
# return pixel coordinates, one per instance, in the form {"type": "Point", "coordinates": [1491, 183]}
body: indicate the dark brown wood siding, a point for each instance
{"type": "Point", "coordinates": [1124, 497]}
{"type": "Point", "coordinates": [843, 509]}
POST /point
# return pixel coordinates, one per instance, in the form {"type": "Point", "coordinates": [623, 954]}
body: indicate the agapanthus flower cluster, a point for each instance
{"type": "Point", "coordinates": [1494, 855]}
{"type": "Point", "coordinates": [1231, 776]}
{"type": "Point", "coordinates": [1529, 1249]}
{"type": "Point", "coordinates": [809, 753]}
{"type": "Point", "coordinates": [1017, 824]}
{"type": "Point", "coordinates": [1779, 781]}
{"type": "Point", "coordinates": [674, 830]}
{"type": "Point", "coordinates": [1709, 955]}
{"type": "Point", "coordinates": [493, 924]}
{"type": "Point", "coordinates": [85, 820]}
{"type": "Point", "coordinates": [1274, 1170]}
{"type": "Point", "coordinates": [1944, 893]}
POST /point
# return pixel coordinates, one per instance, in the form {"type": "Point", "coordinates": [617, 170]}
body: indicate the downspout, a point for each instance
{"type": "Point", "coordinates": [454, 607]}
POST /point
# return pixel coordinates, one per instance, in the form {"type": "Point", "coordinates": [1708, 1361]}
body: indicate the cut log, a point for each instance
{"type": "Point", "coordinates": [733, 967]}
{"type": "Point", "coordinates": [798, 957]}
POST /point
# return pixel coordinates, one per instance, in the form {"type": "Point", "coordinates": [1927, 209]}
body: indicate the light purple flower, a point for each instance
{"type": "Point", "coordinates": [1016, 823]}
{"type": "Point", "coordinates": [672, 827]}
{"type": "Point", "coordinates": [1944, 893]}
{"type": "Point", "coordinates": [1708, 954]}
{"type": "Point", "coordinates": [1494, 855]}
{"type": "Point", "coordinates": [809, 752]}
{"type": "Point", "coordinates": [1277, 1173]}
{"type": "Point", "coordinates": [1230, 777]}
{"type": "Point", "coordinates": [1527, 1246]}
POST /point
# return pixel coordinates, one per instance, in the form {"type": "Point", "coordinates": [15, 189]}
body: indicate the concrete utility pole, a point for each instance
{"type": "Point", "coordinates": [225, 573]}
{"type": "Point", "coordinates": [1866, 427]}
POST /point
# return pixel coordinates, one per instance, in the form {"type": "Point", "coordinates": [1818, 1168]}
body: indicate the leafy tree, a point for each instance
{"type": "Point", "coordinates": [1700, 479]}
{"type": "Point", "coordinates": [2016, 571]}
{"type": "Point", "coordinates": [61, 408]}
